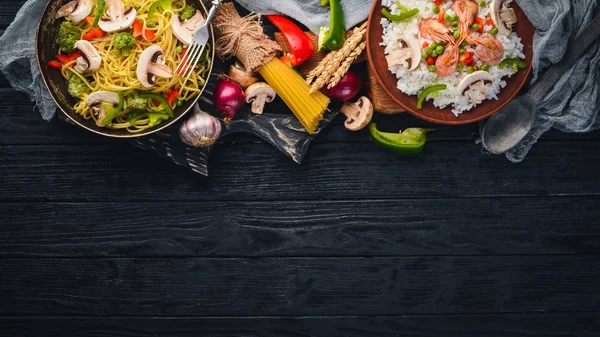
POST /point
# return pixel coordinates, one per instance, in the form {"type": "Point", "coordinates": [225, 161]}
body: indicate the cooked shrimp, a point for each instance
{"type": "Point", "coordinates": [467, 11]}
{"type": "Point", "coordinates": [434, 30]}
{"type": "Point", "coordinates": [488, 49]}
{"type": "Point", "coordinates": [446, 63]}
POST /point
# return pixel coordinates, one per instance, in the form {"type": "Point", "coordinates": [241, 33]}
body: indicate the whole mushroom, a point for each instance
{"type": "Point", "coordinates": [239, 75]}
{"type": "Point", "coordinates": [184, 31]}
{"type": "Point", "coordinates": [117, 17]}
{"type": "Point", "coordinates": [358, 114]}
{"type": "Point", "coordinates": [90, 59]}
{"type": "Point", "coordinates": [76, 10]}
{"type": "Point", "coordinates": [259, 94]}
{"type": "Point", "coordinates": [152, 65]}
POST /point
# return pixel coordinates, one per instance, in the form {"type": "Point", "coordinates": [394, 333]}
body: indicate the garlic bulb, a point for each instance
{"type": "Point", "coordinates": [201, 130]}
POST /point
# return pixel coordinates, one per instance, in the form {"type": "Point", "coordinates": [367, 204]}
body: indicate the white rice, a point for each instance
{"type": "Point", "coordinates": [413, 82]}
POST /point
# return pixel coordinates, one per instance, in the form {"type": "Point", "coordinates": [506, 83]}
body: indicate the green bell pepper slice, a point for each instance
{"type": "Point", "coordinates": [400, 17]}
{"type": "Point", "coordinates": [164, 4]}
{"type": "Point", "coordinates": [164, 106]}
{"type": "Point", "coordinates": [333, 38]}
{"type": "Point", "coordinates": [433, 89]}
{"type": "Point", "coordinates": [410, 141]}
{"type": "Point", "coordinates": [99, 12]}
{"type": "Point", "coordinates": [112, 111]}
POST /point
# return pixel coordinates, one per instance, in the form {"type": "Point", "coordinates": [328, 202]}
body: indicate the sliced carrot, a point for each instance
{"type": "Point", "coordinates": [183, 60]}
{"type": "Point", "coordinates": [137, 28]}
{"type": "Point", "coordinates": [93, 33]}
{"type": "Point", "coordinates": [489, 22]}
{"type": "Point", "coordinates": [55, 64]}
{"type": "Point", "coordinates": [89, 20]}
{"type": "Point", "coordinates": [465, 57]}
{"type": "Point", "coordinates": [430, 60]}
{"type": "Point", "coordinates": [64, 58]}
{"type": "Point", "coordinates": [172, 95]}
{"type": "Point", "coordinates": [479, 21]}
{"type": "Point", "coordinates": [149, 35]}
{"type": "Point", "coordinates": [438, 2]}
{"type": "Point", "coordinates": [441, 15]}
{"type": "Point", "coordinates": [425, 44]}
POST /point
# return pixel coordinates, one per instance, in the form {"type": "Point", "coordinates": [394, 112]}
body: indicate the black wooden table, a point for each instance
{"type": "Point", "coordinates": [98, 238]}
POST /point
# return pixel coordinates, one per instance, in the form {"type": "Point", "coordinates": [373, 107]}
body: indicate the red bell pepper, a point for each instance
{"type": "Point", "coordinates": [55, 64]}
{"type": "Point", "coordinates": [479, 21]}
{"type": "Point", "coordinates": [438, 2]}
{"type": "Point", "coordinates": [138, 29]}
{"type": "Point", "coordinates": [301, 45]}
{"type": "Point", "coordinates": [425, 44]}
{"type": "Point", "coordinates": [489, 22]}
{"type": "Point", "coordinates": [64, 58]}
{"type": "Point", "coordinates": [430, 60]}
{"type": "Point", "coordinates": [172, 95]}
{"type": "Point", "coordinates": [92, 34]}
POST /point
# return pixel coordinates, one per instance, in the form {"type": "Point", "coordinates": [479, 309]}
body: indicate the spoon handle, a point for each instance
{"type": "Point", "coordinates": [575, 50]}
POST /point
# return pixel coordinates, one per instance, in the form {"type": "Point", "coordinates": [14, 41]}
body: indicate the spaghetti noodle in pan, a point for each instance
{"type": "Point", "coordinates": [119, 57]}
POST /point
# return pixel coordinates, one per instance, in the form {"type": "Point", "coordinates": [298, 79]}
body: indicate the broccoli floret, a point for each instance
{"type": "Point", "coordinates": [77, 86]}
{"type": "Point", "coordinates": [187, 12]}
{"type": "Point", "coordinates": [123, 42]}
{"type": "Point", "coordinates": [137, 103]}
{"type": "Point", "coordinates": [67, 36]}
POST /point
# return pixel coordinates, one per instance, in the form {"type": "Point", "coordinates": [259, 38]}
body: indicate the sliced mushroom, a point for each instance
{"type": "Point", "coordinates": [409, 54]}
{"type": "Point", "coordinates": [239, 75]}
{"type": "Point", "coordinates": [259, 94]}
{"type": "Point", "coordinates": [184, 31]}
{"type": "Point", "coordinates": [95, 102]}
{"type": "Point", "coordinates": [76, 10]}
{"type": "Point", "coordinates": [504, 17]}
{"type": "Point", "coordinates": [90, 59]}
{"type": "Point", "coordinates": [358, 114]}
{"type": "Point", "coordinates": [117, 17]}
{"type": "Point", "coordinates": [475, 85]}
{"type": "Point", "coordinates": [151, 65]}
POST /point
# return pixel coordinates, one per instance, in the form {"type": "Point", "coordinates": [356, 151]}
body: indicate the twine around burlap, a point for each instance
{"type": "Point", "coordinates": [243, 37]}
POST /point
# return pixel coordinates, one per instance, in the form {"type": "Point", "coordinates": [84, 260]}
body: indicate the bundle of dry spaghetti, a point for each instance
{"type": "Point", "coordinates": [244, 38]}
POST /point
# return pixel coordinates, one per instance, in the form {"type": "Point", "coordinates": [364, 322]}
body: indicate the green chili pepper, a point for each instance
{"type": "Point", "coordinates": [516, 64]}
{"type": "Point", "coordinates": [400, 17]}
{"type": "Point", "coordinates": [112, 111]}
{"type": "Point", "coordinates": [410, 141]}
{"type": "Point", "coordinates": [324, 3]}
{"type": "Point", "coordinates": [164, 4]}
{"type": "Point", "coordinates": [400, 7]}
{"type": "Point", "coordinates": [434, 89]}
{"type": "Point", "coordinates": [152, 116]}
{"type": "Point", "coordinates": [163, 105]}
{"type": "Point", "coordinates": [333, 38]}
{"type": "Point", "coordinates": [99, 12]}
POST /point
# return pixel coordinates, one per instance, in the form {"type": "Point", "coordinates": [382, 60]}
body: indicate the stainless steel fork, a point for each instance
{"type": "Point", "coordinates": [192, 56]}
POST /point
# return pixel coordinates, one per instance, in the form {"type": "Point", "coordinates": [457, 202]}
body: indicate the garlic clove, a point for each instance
{"type": "Point", "coordinates": [200, 130]}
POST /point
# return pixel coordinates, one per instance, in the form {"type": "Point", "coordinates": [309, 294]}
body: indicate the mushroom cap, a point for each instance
{"type": "Point", "coordinates": [82, 10]}
{"type": "Point", "coordinates": [495, 6]}
{"type": "Point", "coordinates": [409, 50]}
{"type": "Point", "coordinates": [239, 75]}
{"type": "Point", "coordinates": [415, 51]}
{"type": "Point", "coordinates": [121, 22]}
{"type": "Point", "coordinates": [184, 31]}
{"type": "Point", "coordinates": [150, 65]}
{"type": "Point", "coordinates": [96, 99]}
{"type": "Point", "coordinates": [260, 88]}
{"type": "Point", "coordinates": [358, 114]}
{"type": "Point", "coordinates": [477, 76]}
{"type": "Point", "coordinates": [90, 59]}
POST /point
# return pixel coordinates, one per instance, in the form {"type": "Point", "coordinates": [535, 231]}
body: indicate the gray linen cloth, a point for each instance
{"type": "Point", "coordinates": [572, 106]}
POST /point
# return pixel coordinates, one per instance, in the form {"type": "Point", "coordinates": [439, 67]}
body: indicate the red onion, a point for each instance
{"type": "Point", "coordinates": [228, 98]}
{"type": "Point", "coordinates": [348, 87]}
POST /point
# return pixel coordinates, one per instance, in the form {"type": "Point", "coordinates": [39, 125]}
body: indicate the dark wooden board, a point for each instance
{"type": "Point", "coordinates": [331, 171]}
{"type": "Point", "coordinates": [8, 11]}
{"type": "Point", "coordinates": [308, 228]}
{"type": "Point", "coordinates": [299, 286]}
{"type": "Point", "coordinates": [498, 325]}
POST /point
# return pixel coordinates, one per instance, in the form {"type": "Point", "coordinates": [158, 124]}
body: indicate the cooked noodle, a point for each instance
{"type": "Point", "coordinates": [118, 73]}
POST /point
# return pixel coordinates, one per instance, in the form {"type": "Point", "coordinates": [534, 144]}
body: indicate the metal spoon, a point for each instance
{"type": "Point", "coordinates": [505, 129]}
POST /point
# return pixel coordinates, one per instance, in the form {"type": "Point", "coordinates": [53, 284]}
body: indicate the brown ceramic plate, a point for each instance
{"type": "Point", "coordinates": [46, 51]}
{"type": "Point", "coordinates": [388, 81]}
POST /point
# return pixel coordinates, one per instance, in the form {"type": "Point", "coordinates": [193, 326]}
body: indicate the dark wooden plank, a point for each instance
{"type": "Point", "coordinates": [331, 171]}
{"type": "Point", "coordinates": [19, 119]}
{"type": "Point", "coordinates": [8, 10]}
{"type": "Point", "coordinates": [343, 228]}
{"type": "Point", "coordinates": [299, 286]}
{"type": "Point", "coordinates": [3, 80]}
{"type": "Point", "coordinates": [500, 325]}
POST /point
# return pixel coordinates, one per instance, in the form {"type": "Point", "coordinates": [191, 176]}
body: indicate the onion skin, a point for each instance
{"type": "Point", "coordinates": [228, 98]}
{"type": "Point", "coordinates": [201, 130]}
{"type": "Point", "coordinates": [348, 87]}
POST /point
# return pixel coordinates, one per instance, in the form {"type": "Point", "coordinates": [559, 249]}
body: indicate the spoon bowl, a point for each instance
{"type": "Point", "coordinates": [509, 126]}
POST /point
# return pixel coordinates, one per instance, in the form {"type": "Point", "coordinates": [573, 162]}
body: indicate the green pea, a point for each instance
{"type": "Point", "coordinates": [432, 68]}
{"type": "Point", "coordinates": [137, 8]}
{"type": "Point", "coordinates": [428, 50]}
{"type": "Point", "coordinates": [454, 24]}
{"type": "Point", "coordinates": [456, 34]}
{"type": "Point", "coordinates": [475, 26]}
{"type": "Point", "coordinates": [180, 102]}
{"type": "Point", "coordinates": [460, 66]}
{"type": "Point", "coordinates": [494, 31]}
{"type": "Point", "coordinates": [151, 24]}
{"type": "Point", "coordinates": [454, 17]}
{"type": "Point", "coordinates": [475, 68]}
{"type": "Point", "coordinates": [464, 43]}
{"type": "Point", "coordinates": [482, 3]}
{"type": "Point", "coordinates": [434, 54]}
{"type": "Point", "coordinates": [179, 49]}
{"type": "Point", "coordinates": [439, 50]}
{"type": "Point", "coordinates": [447, 17]}
{"type": "Point", "coordinates": [485, 67]}
{"type": "Point", "coordinates": [469, 70]}
{"type": "Point", "coordinates": [425, 55]}
{"type": "Point", "coordinates": [436, 10]}
{"type": "Point", "coordinates": [462, 51]}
